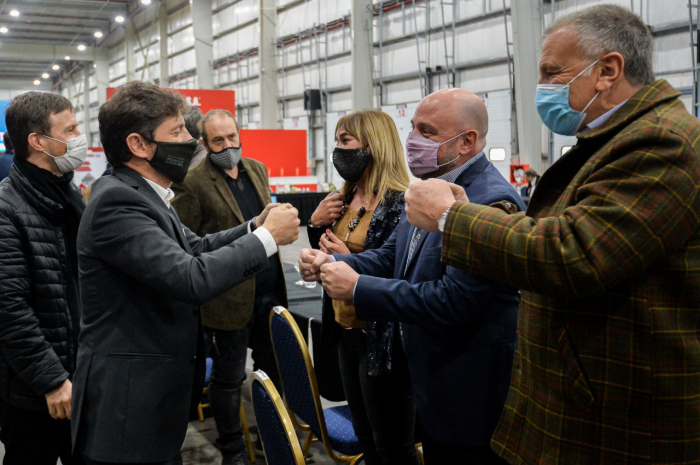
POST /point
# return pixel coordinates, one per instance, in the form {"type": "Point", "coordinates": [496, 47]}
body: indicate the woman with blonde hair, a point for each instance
{"type": "Point", "coordinates": [369, 157]}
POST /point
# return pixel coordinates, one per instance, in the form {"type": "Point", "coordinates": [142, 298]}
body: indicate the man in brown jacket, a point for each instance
{"type": "Point", "coordinates": [221, 192]}
{"type": "Point", "coordinates": [607, 362]}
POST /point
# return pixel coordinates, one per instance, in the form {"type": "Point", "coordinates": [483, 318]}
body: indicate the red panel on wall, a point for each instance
{"type": "Point", "coordinates": [282, 151]}
{"type": "Point", "coordinates": [205, 100]}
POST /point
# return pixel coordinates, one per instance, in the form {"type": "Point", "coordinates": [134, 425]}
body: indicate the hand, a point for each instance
{"type": "Point", "coordinates": [328, 210]}
{"type": "Point", "coordinates": [59, 399]}
{"type": "Point", "coordinates": [260, 219]}
{"type": "Point", "coordinates": [310, 261]}
{"type": "Point", "coordinates": [346, 316]}
{"type": "Point", "coordinates": [339, 280]}
{"type": "Point", "coordinates": [458, 192]}
{"type": "Point", "coordinates": [331, 244]}
{"type": "Point", "coordinates": [283, 224]}
{"type": "Point", "coordinates": [426, 201]}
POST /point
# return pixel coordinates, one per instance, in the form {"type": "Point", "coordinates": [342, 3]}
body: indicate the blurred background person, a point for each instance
{"type": "Point", "coordinates": [193, 123]}
{"type": "Point", "coordinates": [6, 158]}
{"type": "Point", "coordinates": [369, 157]}
{"type": "Point", "coordinates": [222, 192]}
{"type": "Point", "coordinates": [532, 179]}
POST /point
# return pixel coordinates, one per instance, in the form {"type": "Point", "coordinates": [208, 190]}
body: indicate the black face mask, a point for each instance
{"type": "Point", "coordinates": [172, 159]}
{"type": "Point", "coordinates": [351, 164]}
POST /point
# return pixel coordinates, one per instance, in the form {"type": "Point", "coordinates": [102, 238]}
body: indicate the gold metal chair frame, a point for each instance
{"type": "Point", "coordinates": [269, 386]}
{"type": "Point", "coordinates": [351, 459]}
{"type": "Point", "coordinates": [244, 425]}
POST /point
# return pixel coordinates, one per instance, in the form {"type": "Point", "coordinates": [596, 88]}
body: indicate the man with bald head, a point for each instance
{"type": "Point", "coordinates": [607, 257]}
{"type": "Point", "coordinates": [458, 329]}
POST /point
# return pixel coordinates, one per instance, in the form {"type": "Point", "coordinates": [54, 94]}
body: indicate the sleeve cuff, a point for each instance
{"type": "Point", "coordinates": [267, 240]}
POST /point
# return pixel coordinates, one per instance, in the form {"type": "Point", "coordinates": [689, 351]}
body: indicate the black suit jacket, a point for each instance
{"type": "Point", "coordinates": [143, 276]}
{"type": "Point", "coordinates": [458, 329]}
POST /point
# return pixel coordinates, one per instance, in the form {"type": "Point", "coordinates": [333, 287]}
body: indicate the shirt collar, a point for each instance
{"type": "Point", "coordinates": [602, 119]}
{"type": "Point", "coordinates": [166, 194]}
{"type": "Point", "coordinates": [451, 176]}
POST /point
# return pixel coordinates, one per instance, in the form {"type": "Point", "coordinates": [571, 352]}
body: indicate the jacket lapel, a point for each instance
{"type": "Point", "coordinates": [258, 182]}
{"type": "Point", "coordinates": [220, 182]}
{"type": "Point", "coordinates": [135, 180]}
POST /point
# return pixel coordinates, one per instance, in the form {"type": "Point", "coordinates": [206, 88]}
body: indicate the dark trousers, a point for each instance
{"type": "Point", "coordinates": [33, 437]}
{"type": "Point", "coordinates": [382, 408]}
{"type": "Point", "coordinates": [259, 339]}
{"type": "Point", "coordinates": [436, 453]}
{"type": "Point", "coordinates": [174, 461]}
{"type": "Point", "coordinates": [228, 351]}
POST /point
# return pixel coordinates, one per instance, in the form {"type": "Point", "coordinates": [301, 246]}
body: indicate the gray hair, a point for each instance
{"type": "Point", "coordinates": [604, 29]}
{"type": "Point", "coordinates": [193, 122]}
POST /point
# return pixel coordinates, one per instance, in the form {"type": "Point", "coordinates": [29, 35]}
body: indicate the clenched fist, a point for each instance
{"type": "Point", "coordinates": [283, 224]}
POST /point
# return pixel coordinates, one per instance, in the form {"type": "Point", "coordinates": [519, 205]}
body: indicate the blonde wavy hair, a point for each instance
{"type": "Point", "coordinates": [387, 167]}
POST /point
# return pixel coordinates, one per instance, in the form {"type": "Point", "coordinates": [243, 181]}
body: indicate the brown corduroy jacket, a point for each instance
{"type": "Point", "coordinates": [205, 204]}
{"type": "Point", "coordinates": [607, 362]}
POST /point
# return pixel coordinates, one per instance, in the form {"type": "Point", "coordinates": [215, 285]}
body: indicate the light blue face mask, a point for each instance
{"type": "Point", "coordinates": [553, 106]}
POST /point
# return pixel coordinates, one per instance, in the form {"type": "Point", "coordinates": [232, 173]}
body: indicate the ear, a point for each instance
{"type": "Point", "coordinates": [35, 142]}
{"type": "Point", "coordinates": [204, 143]}
{"type": "Point", "coordinates": [611, 70]}
{"type": "Point", "coordinates": [469, 140]}
{"type": "Point", "coordinates": [368, 149]}
{"type": "Point", "coordinates": [139, 147]}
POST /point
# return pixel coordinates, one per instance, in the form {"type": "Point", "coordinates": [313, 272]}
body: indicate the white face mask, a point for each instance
{"type": "Point", "coordinates": [75, 156]}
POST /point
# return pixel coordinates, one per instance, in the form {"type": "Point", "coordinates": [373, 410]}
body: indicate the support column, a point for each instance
{"type": "Point", "coordinates": [202, 19]}
{"type": "Point", "coordinates": [164, 61]}
{"type": "Point", "coordinates": [526, 16]}
{"type": "Point", "coordinates": [86, 101]}
{"type": "Point", "coordinates": [269, 106]}
{"type": "Point", "coordinates": [102, 77]}
{"type": "Point", "coordinates": [130, 44]}
{"type": "Point", "coordinates": [361, 34]}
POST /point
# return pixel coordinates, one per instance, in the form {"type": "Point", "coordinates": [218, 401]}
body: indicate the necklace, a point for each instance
{"type": "Point", "coordinates": [355, 221]}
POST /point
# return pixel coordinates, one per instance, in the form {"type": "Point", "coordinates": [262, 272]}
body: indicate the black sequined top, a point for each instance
{"type": "Point", "coordinates": [380, 334]}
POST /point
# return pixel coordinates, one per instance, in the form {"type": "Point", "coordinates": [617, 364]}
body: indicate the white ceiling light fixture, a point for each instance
{"type": "Point", "coordinates": [14, 13]}
{"type": "Point", "coordinates": [81, 47]}
{"type": "Point", "coordinates": [98, 34]}
{"type": "Point", "coordinates": [45, 75]}
{"type": "Point", "coordinates": [146, 2]}
{"type": "Point", "coordinates": [55, 67]}
{"type": "Point", "coordinates": [119, 19]}
{"type": "Point", "coordinates": [66, 57]}
{"type": "Point", "coordinates": [3, 30]}
{"type": "Point", "coordinates": [37, 82]}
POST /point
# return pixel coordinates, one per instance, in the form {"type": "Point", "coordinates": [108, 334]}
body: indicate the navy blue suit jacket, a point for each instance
{"type": "Point", "coordinates": [458, 329]}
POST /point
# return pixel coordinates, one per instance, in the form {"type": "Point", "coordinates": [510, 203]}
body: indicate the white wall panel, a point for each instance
{"type": "Point", "coordinates": [235, 15]}
{"type": "Point", "coordinates": [309, 13]}
{"type": "Point", "coordinates": [179, 19]}
{"type": "Point", "coordinates": [183, 62]}
{"type": "Point", "coordinates": [181, 40]}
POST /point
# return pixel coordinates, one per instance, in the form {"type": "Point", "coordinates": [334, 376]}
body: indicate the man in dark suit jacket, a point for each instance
{"type": "Point", "coordinates": [220, 193]}
{"type": "Point", "coordinates": [458, 329]}
{"type": "Point", "coordinates": [143, 276]}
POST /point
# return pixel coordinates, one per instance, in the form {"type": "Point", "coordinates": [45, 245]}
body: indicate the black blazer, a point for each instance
{"type": "Point", "coordinates": [143, 276]}
{"type": "Point", "coordinates": [458, 329]}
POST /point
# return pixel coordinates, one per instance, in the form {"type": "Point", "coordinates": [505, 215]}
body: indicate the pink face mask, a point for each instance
{"type": "Point", "coordinates": [422, 154]}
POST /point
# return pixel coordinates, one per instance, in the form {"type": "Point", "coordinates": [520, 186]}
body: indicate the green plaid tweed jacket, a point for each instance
{"type": "Point", "coordinates": [607, 363]}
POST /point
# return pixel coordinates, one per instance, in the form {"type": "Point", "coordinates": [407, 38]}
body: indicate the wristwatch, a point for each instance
{"type": "Point", "coordinates": [443, 218]}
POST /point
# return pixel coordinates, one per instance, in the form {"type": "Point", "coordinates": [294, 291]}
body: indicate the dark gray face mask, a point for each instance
{"type": "Point", "coordinates": [227, 158]}
{"type": "Point", "coordinates": [172, 159]}
{"type": "Point", "coordinates": [351, 164]}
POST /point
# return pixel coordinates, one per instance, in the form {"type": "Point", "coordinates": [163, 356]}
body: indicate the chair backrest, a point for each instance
{"type": "Point", "coordinates": [296, 370]}
{"type": "Point", "coordinates": [280, 441]}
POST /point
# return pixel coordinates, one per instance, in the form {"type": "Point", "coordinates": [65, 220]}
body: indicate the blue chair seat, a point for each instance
{"type": "Point", "coordinates": [340, 430]}
{"type": "Point", "coordinates": [207, 374]}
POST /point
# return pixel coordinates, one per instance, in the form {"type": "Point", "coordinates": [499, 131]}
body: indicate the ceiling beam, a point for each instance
{"type": "Point", "coordinates": [34, 52]}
